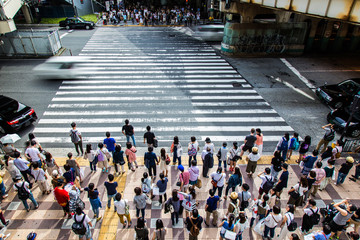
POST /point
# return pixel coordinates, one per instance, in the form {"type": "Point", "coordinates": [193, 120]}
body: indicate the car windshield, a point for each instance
{"type": "Point", "coordinates": [80, 19]}
{"type": "Point", "coordinates": [11, 107]}
{"type": "Point", "coordinates": [349, 86]}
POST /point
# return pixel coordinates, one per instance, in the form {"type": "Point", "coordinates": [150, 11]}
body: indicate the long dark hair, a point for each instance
{"type": "Point", "coordinates": [88, 148]}
{"type": "Point", "coordinates": [174, 195]}
{"type": "Point", "coordinates": [235, 145]}
{"type": "Point", "coordinates": [265, 199]}
{"type": "Point", "coordinates": [48, 157]}
{"type": "Point", "coordinates": [258, 130]}
{"type": "Point", "coordinates": [237, 172]}
{"type": "Point", "coordinates": [31, 136]}
{"type": "Point", "coordinates": [163, 153]}
{"type": "Point", "coordinates": [140, 222]}
{"type": "Point", "coordinates": [287, 136]}
{"type": "Point", "coordinates": [231, 219]}
{"type": "Point", "coordinates": [176, 140]}
{"type": "Point", "coordinates": [162, 177]}
{"type": "Point", "coordinates": [192, 192]}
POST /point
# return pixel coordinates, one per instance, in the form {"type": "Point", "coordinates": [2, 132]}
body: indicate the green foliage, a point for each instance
{"type": "Point", "coordinates": [89, 17]}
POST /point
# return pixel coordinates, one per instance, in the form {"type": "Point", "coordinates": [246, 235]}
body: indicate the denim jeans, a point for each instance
{"type": "Point", "coordinates": [142, 212]}
{"type": "Point", "coordinates": [357, 172]}
{"type": "Point", "coordinates": [228, 188]}
{"type": "Point", "coordinates": [132, 137]}
{"type": "Point", "coordinates": [174, 216]}
{"type": "Point", "coordinates": [96, 212]}
{"type": "Point", "coordinates": [32, 199]}
{"type": "Point", "coordinates": [77, 146]}
{"type": "Point", "coordinates": [274, 173]}
{"type": "Point", "coordinates": [2, 188]}
{"type": "Point", "coordinates": [190, 158]}
{"type": "Point", "coordinates": [109, 200]}
{"type": "Point", "coordinates": [224, 164]}
{"type": "Point", "coordinates": [267, 230]}
{"type": "Point", "coordinates": [341, 178]}
{"type": "Point", "coordinates": [284, 153]}
{"type": "Point", "coordinates": [152, 170]}
{"type": "Point", "coordinates": [93, 166]}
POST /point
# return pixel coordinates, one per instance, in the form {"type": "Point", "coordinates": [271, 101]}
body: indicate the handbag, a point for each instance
{"type": "Point", "coordinates": [179, 182]}
{"type": "Point", "coordinates": [148, 200]}
{"type": "Point", "coordinates": [198, 184]}
{"type": "Point", "coordinates": [260, 226]}
{"type": "Point", "coordinates": [156, 191]}
{"type": "Point", "coordinates": [214, 183]}
{"type": "Point", "coordinates": [126, 208]}
{"type": "Point", "coordinates": [230, 235]}
{"type": "Point", "coordinates": [167, 160]}
{"type": "Point", "coordinates": [80, 203]}
{"type": "Point", "coordinates": [294, 194]}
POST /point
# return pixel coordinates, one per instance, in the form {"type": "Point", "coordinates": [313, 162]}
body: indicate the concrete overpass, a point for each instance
{"type": "Point", "coordinates": [325, 25]}
{"type": "Point", "coordinates": [8, 9]}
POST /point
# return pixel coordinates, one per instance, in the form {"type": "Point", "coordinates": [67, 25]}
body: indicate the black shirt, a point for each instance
{"type": "Point", "coordinates": [277, 163]}
{"type": "Point", "coordinates": [345, 168]}
{"type": "Point", "coordinates": [310, 182]}
{"type": "Point", "coordinates": [198, 221]}
{"type": "Point", "coordinates": [250, 140]}
{"type": "Point", "coordinates": [149, 137]}
{"type": "Point", "coordinates": [284, 177]}
{"type": "Point", "coordinates": [129, 130]}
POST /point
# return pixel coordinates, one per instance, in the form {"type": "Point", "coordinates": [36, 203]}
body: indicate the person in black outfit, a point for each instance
{"type": "Point", "coordinates": [128, 131]}
{"type": "Point", "coordinates": [208, 163]}
{"type": "Point", "coordinates": [276, 163]}
{"type": "Point", "coordinates": [149, 137]}
{"type": "Point", "coordinates": [194, 219]}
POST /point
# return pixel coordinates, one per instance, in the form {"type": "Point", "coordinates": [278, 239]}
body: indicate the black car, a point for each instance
{"type": "Point", "coordinates": [340, 116]}
{"type": "Point", "coordinates": [14, 115]}
{"type": "Point", "coordinates": [339, 95]}
{"type": "Point", "coordinates": [76, 22]}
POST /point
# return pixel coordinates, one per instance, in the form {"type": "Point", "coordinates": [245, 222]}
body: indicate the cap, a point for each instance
{"type": "Point", "coordinates": [181, 167]}
{"type": "Point", "coordinates": [55, 173]}
{"type": "Point", "coordinates": [207, 140]}
{"type": "Point", "coordinates": [18, 178]}
{"type": "Point", "coordinates": [234, 195]}
{"type": "Point", "coordinates": [31, 236]}
{"type": "Point", "coordinates": [350, 159]}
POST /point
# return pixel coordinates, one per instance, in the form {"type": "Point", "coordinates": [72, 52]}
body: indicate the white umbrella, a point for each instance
{"type": "Point", "coordinates": [10, 138]}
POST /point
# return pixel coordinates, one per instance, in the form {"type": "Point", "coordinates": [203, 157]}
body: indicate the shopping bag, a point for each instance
{"type": "Point", "coordinates": [156, 191]}
{"type": "Point", "coordinates": [260, 226]}
{"type": "Point", "coordinates": [230, 235]}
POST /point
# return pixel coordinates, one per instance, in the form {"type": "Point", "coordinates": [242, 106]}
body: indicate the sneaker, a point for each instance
{"type": "Point", "coordinates": [130, 223]}
{"type": "Point", "coordinates": [7, 222]}
{"type": "Point", "coordinates": [124, 225]}
{"type": "Point", "coordinates": [6, 195]}
{"type": "Point", "coordinates": [352, 179]}
{"type": "Point", "coordinates": [99, 218]}
{"type": "Point", "coordinates": [207, 224]}
{"type": "Point", "coordinates": [107, 170]}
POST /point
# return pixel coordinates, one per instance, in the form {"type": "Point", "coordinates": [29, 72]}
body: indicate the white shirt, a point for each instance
{"type": "Point", "coordinates": [80, 217]}
{"type": "Point", "coordinates": [219, 178]}
{"type": "Point", "coordinates": [265, 178]}
{"type": "Point", "coordinates": [39, 174]}
{"type": "Point", "coordinates": [196, 145]}
{"type": "Point", "coordinates": [209, 145]}
{"type": "Point", "coordinates": [33, 153]}
{"type": "Point", "coordinates": [19, 184]}
{"type": "Point", "coordinates": [272, 220]}
{"type": "Point", "coordinates": [254, 157]}
{"type": "Point", "coordinates": [203, 154]}
{"type": "Point", "coordinates": [300, 190]}
{"type": "Point", "coordinates": [78, 133]}
{"type": "Point", "coordinates": [120, 206]}
{"type": "Point", "coordinates": [309, 212]}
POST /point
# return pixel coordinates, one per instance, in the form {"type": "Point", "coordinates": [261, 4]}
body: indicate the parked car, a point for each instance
{"type": "Point", "coordinates": [340, 116]}
{"type": "Point", "coordinates": [61, 67]}
{"type": "Point", "coordinates": [76, 22]}
{"type": "Point", "coordinates": [339, 95]}
{"type": "Point", "coordinates": [14, 115]}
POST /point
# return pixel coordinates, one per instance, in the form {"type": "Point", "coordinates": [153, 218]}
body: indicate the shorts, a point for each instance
{"type": "Point", "coordinates": [261, 191]}
{"type": "Point", "coordinates": [192, 182]}
{"type": "Point", "coordinates": [87, 234]}
{"type": "Point", "coordinates": [336, 228]}
{"type": "Point", "coordinates": [247, 148]}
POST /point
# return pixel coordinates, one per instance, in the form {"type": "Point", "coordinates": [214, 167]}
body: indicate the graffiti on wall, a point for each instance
{"type": "Point", "coordinates": [275, 43]}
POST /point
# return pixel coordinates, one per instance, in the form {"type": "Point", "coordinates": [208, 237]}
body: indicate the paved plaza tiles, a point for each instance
{"type": "Point", "coordinates": [49, 223]}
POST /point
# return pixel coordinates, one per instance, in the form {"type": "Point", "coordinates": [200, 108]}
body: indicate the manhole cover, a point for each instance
{"type": "Point", "coordinates": [237, 85]}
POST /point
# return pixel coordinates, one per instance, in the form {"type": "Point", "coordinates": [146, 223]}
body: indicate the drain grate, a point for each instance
{"type": "Point", "coordinates": [237, 85]}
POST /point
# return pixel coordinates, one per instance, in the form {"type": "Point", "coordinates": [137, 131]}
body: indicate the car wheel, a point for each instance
{"type": "Point", "coordinates": [355, 133]}
{"type": "Point", "coordinates": [338, 105]}
{"type": "Point", "coordinates": [67, 27]}
{"type": "Point", "coordinates": [87, 27]}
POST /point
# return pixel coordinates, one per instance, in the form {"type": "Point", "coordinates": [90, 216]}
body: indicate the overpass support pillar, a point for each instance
{"type": "Point", "coordinates": [312, 33]}
{"type": "Point", "coordinates": [283, 16]}
{"type": "Point", "coordinates": [26, 13]}
{"type": "Point", "coordinates": [340, 37]}
{"type": "Point", "coordinates": [355, 39]}
{"type": "Point", "coordinates": [324, 42]}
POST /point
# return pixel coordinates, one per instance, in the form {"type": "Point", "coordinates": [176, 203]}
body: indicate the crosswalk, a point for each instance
{"type": "Point", "coordinates": [159, 77]}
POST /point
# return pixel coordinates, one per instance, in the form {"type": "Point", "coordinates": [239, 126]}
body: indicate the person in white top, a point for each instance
{"type": "Point", "coordinates": [90, 156]}
{"type": "Point", "coordinates": [81, 216]}
{"type": "Point", "coordinates": [271, 221]}
{"type": "Point", "coordinates": [218, 181]}
{"type": "Point", "coordinates": [265, 177]}
{"type": "Point", "coordinates": [241, 224]}
{"type": "Point", "coordinates": [309, 209]}
{"type": "Point", "coordinates": [40, 178]}
{"type": "Point", "coordinates": [32, 153]}
{"type": "Point", "coordinates": [252, 159]}
{"type": "Point", "coordinates": [122, 209]}
{"type": "Point", "coordinates": [193, 149]}
{"type": "Point", "coordinates": [209, 144]}
{"type": "Point", "coordinates": [288, 217]}
{"type": "Point", "coordinates": [299, 188]}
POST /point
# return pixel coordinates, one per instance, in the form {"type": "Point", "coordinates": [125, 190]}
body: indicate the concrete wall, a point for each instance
{"type": "Point", "coordinates": [83, 8]}
{"type": "Point", "coordinates": [257, 38]}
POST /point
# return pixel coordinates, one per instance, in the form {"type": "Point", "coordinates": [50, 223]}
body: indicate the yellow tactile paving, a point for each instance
{"type": "Point", "coordinates": [110, 219]}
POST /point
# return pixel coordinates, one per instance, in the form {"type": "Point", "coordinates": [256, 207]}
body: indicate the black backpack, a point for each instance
{"type": "Point", "coordinates": [315, 217]}
{"type": "Point", "coordinates": [23, 194]}
{"type": "Point", "coordinates": [292, 225]}
{"type": "Point", "coordinates": [269, 184]}
{"type": "Point", "coordinates": [78, 227]}
{"type": "Point", "coordinates": [330, 136]}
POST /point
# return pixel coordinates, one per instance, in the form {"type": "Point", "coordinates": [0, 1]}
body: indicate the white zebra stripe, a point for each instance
{"type": "Point", "coordinates": [143, 86]}
{"type": "Point", "coordinates": [222, 82]}
{"type": "Point", "coordinates": [153, 64]}
{"type": "Point", "coordinates": [178, 77]}
{"type": "Point", "coordinates": [162, 120]}
{"type": "Point", "coordinates": [179, 112]}
{"type": "Point", "coordinates": [152, 68]}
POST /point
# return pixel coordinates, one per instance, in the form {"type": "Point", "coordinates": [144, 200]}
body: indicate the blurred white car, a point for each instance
{"type": "Point", "coordinates": [211, 32]}
{"type": "Point", "coordinates": [64, 67]}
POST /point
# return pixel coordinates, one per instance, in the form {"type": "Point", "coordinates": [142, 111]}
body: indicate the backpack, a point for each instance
{"type": "Point", "coordinates": [269, 184]}
{"type": "Point", "coordinates": [100, 156]}
{"type": "Point", "coordinates": [329, 137]}
{"type": "Point", "coordinates": [284, 145]}
{"type": "Point", "coordinates": [292, 225]}
{"type": "Point", "coordinates": [194, 230]}
{"type": "Point", "coordinates": [338, 153]}
{"type": "Point", "coordinates": [22, 193]}
{"type": "Point", "coordinates": [261, 210]}
{"type": "Point", "coordinates": [192, 151]}
{"type": "Point", "coordinates": [156, 143]}
{"type": "Point", "coordinates": [296, 144]}
{"type": "Point", "coordinates": [78, 227]}
{"type": "Point", "coordinates": [315, 217]}
{"type": "Point", "coordinates": [236, 211]}
{"type": "Point", "coordinates": [243, 204]}
{"type": "Point", "coordinates": [74, 137]}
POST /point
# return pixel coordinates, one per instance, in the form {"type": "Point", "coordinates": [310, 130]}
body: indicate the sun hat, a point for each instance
{"type": "Point", "coordinates": [207, 140]}
{"type": "Point", "coordinates": [234, 195]}
{"type": "Point", "coordinates": [350, 159]}
{"type": "Point", "coordinates": [55, 173]}
{"type": "Point", "coordinates": [255, 150]}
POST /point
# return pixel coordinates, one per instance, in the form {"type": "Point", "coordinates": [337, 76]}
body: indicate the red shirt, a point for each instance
{"type": "Point", "coordinates": [62, 196]}
{"type": "Point", "coordinates": [185, 177]}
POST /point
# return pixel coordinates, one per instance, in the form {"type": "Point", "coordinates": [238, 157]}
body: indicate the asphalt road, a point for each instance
{"type": "Point", "coordinates": [298, 105]}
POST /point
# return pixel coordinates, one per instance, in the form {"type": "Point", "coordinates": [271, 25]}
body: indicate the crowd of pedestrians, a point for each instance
{"type": "Point", "coordinates": [151, 17]}
{"type": "Point", "coordinates": [261, 212]}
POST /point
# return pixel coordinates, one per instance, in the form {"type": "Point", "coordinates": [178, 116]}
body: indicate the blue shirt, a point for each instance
{"type": "Point", "coordinates": [110, 144]}
{"type": "Point", "coordinates": [212, 203]}
{"type": "Point", "coordinates": [162, 185]}
{"type": "Point", "coordinates": [310, 161]}
{"type": "Point", "coordinates": [321, 236]}
{"type": "Point", "coordinates": [70, 175]}
{"type": "Point", "coordinates": [150, 158]}
{"type": "Point", "coordinates": [284, 177]}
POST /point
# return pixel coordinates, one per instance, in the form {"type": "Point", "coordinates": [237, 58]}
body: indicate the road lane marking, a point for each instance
{"type": "Point", "coordinates": [220, 82]}
{"type": "Point", "coordinates": [298, 74]}
{"type": "Point", "coordinates": [165, 98]}
{"type": "Point", "coordinates": [143, 86]}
